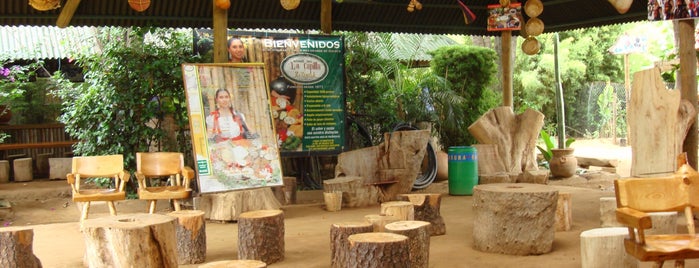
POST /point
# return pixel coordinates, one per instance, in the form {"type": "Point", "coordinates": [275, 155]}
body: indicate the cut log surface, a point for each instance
{"type": "Point", "coordinates": [190, 231]}
{"type": "Point", "coordinates": [427, 208]}
{"type": "Point", "coordinates": [235, 264]}
{"type": "Point", "coordinates": [514, 218]}
{"type": "Point", "coordinates": [261, 236]}
{"type": "Point", "coordinates": [339, 246]}
{"type": "Point", "coordinates": [380, 221]}
{"type": "Point", "coordinates": [17, 248]}
{"type": "Point", "coordinates": [229, 205]}
{"type": "Point", "coordinates": [354, 192]}
{"type": "Point", "coordinates": [130, 240]}
{"type": "Point", "coordinates": [374, 250]}
{"type": "Point", "coordinates": [403, 210]}
{"type": "Point", "coordinates": [418, 234]}
{"type": "Point", "coordinates": [604, 247]}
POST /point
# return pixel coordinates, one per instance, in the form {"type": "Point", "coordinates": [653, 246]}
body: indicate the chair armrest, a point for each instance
{"type": "Point", "coordinates": [125, 175]}
{"type": "Point", "coordinates": [188, 172]}
{"type": "Point", "coordinates": [141, 179]}
{"type": "Point", "coordinates": [633, 218]}
{"type": "Point", "coordinates": [70, 177]}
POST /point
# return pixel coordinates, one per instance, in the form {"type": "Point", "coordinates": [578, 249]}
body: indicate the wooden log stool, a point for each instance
{"type": "Point", "coordinates": [403, 210]}
{"type": "Point", "coordinates": [604, 247]}
{"type": "Point", "coordinates": [426, 207]}
{"type": "Point", "coordinates": [339, 246]}
{"type": "Point", "coordinates": [227, 206]}
{"type": "Point", "coordinates": [23, 169]}
{"type": "Point", "coordinates": [17, 248]}
{"type": "Point", "coordinates": [261, 236]}
{"type": "Point", "coordinates": [130, 240]}
{"type": "Point", "coordinates": [514, 218]}
{"type": "Point", "coordinates": [418, 234]}
{"type": "Point", "coordinates": [4, 171]}
{"type": "Point", "coordinates": [289, 190]}
{"type": "Point", "coordinates": [607, 212]}
{"type": "Point", "coordinates": [333, 201]}
{"type": "Point", "coordinates": [379, 221]}
{"type": "Point", "coordinates": [378, 250]}
{"type": "Point", "coordinates": [235, 264]}
{"type": "Point", "coordinates": [190, 232]}
{"type": "Point", "coordinates": [564, 212]}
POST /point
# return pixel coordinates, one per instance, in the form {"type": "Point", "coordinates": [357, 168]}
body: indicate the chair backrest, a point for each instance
{"type": "Point", "coordinates": [98, 166]}
{"type": "Point", "coordinates": [159, 163]}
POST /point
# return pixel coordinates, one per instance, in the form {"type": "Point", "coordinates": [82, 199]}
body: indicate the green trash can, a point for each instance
{"type": "Point", "coordinates": [463, 170]}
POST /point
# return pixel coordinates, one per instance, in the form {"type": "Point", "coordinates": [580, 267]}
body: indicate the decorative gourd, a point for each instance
{"type": "Point", "coordinates": [139, 5]}
{"type": "Point", "coordinates": [222, 4]}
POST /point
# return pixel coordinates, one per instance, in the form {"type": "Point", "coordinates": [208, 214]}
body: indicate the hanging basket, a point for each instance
{"type": "Point", "coordinates": [534, 27]}
{"type": "Point", "coordinates": [531, 46]}
{"type": "Point", "coordinates": [533, 8]}
{"type": "Point", "coordinates": [44, 5]}
{"type": "Point", "coordinates": [139, 5]}
{"type": "Point", "coordinates": [290, 4]}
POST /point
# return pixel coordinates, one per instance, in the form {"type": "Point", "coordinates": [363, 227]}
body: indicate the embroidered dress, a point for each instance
{"type": "Point", "coordinates": [225, 127]}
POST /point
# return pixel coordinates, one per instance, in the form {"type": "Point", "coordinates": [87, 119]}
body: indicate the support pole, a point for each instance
{"type": "Point", "coordinates": [560, 109]}
{"type": "Point", "coordinates": [220, 25]}
{"type": "Point", "coordinates": [326, 10]}
{"type": "Point", "coordinates": [506, 58]}
{"type": "Point", "coordinates": [67, 13]}
{"type": "Point", "coordinates": [688, 83]}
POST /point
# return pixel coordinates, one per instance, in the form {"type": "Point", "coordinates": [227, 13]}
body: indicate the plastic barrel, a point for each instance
{"type": "Point", "coordinates": [463, 170]}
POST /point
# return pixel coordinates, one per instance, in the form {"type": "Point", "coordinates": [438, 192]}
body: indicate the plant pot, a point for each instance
{"type": "Point", "coordinates": [563, 163]}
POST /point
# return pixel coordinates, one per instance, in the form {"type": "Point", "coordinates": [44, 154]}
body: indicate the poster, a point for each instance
{"type": "Point", "coordinates": [672, 9]}
{"type": "Point", "coordinates": [505, 18]}
{"type": "Point", "coordinates": [306, 75]}
{"type": "Point", "coordinates": [233, 138]}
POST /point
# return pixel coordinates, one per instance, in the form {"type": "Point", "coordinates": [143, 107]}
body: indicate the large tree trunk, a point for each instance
{"type": "Point", "coordinates": [16, 248]}
{"type": "Point", "coordinates": [418, 240]}
{"type": "Point", "coordinates": [228, 206]}
{"type": "Point", "coordinates": [190, 231]}
{"type": "Point", "coordinates": [339, 247]}
{"type": "Point", "coordinates": [261, 236]}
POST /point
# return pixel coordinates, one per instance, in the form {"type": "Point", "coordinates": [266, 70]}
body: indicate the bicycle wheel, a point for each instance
{"type": "Point", "coordinates": [357, 136]}
{"type": "Point", "coordinates": [428, 168]}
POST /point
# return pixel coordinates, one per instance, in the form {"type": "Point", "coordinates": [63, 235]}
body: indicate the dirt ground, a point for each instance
{"type": "Point", "coordinates": [46, 207]}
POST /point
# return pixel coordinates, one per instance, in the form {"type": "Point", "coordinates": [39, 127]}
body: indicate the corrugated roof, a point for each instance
{"type": "Point", "coordinates": [436, 16]}
{"type": "Point", "coordinates": [25, 42]}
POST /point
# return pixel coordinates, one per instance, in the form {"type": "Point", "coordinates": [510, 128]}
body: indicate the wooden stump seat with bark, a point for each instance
{"type": "Point", "coordinates": [426, 207]}
{"type": "Point", "coordinates": [261, 236]}
{"type": "Point", "coordinates": [514, 218]}
{"type": "Point", "coordinates": [339, 245]}
{"type": "Point", "coordinates": [403, 210]}
{"type": "Point", "coordinates": [130, 240]}
{"type": "Point", "coordinates": [17, 248]}
{"type": "Point", "coordinates": [379, 221]}
{"type": "Point", "coordinates": [418, 234]}
{"type": "Point", "coordinates": [190, 232]}
{"type": "Point", "coordinates": [604, 247]}
{"type": "Point", "coordinates": [229, 205]}
{"type": "Point", "coordinates": [371, 250]}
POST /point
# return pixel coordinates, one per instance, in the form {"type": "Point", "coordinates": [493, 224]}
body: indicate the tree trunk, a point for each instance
{"type": "Point", "coordinates": [403, 210]}
{"type": "Point", "coordinates": [374, 250]}
{"type": "Point", "coordinates": [339, 247]}
{"type": "Point", "coordinates": [427, 208]}
{"type": "Point", "coordinates": [418, 240]}
{"type": "Point", "coordinates": [190, 231]}
{"type": "Point", "coordinates": [261, 236]}
{"type": "Point", "coordinates": [229, 205]}
{"type": "Point", "coordinates": [17, 248]}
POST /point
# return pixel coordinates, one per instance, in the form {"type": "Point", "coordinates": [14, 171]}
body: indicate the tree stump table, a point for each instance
{"type": "Point", "coordinates": [190, 232]}
{"type": "Point", "coordinates": [235, 264]}
{"type": "Point", "coordinates": [514, 218]}
{"type": "Point", "coordinates": [261, 236]}
{"type": "Point", "coordinates": [130, 240]}
{"type": "Point", "coordinates": [426, 208]}
{"type": "Point", "coordinates": [418, 240]}
{"type": "Point", "coordinates": [339, 246]}
{"type": "Point", "coordinates": [17, 248]}
{"type": "Point", "coordinates": [374, 250]}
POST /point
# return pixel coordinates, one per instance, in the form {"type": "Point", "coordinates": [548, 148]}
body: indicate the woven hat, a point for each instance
{"type": "Point", "coordinates": [531, 46]}
{"type": "Point", "coordinates": [534, 26]}
{"type": "Point", "coordinates": [533, 8]}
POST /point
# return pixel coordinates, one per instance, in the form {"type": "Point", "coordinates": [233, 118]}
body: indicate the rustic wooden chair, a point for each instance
{"type": "Point", "coordinates": [637, 196]}
{"type": "Point", "coordinates": [105, 166]}
{"type": "Point", "coordinates": [159, 165]}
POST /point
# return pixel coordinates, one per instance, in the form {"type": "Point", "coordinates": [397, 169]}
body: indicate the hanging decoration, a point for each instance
{"type": "Point", "coordinates": [222, 4]}
{"type": "Point", "coordinates": [139, 5]}
{"type": "Point", "coordinates": [533, 27]}
{"type": "Point", "coordinates": [413, 5]}
{"type": "Point", "coordinates": [468, 14]}
{"type": "Point", "coordinates": [44, 5]}
{"type": "Point", "coordinates": [290, 4]}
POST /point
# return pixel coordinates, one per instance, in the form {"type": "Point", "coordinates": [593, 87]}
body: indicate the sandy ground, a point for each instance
{"type": "Point", "coordinates": [47, 208]}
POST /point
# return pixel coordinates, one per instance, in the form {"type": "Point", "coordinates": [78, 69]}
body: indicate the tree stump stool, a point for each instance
{"type": "Point", "coordinates": [374, 250]}
{"type": "Point", "coordinates": [339, 246]}
{"type": "Point", "coordinates": [564, 212]}
{"type": "Point", "coordinates": [604, 247]}
{"type": "Point", "coordinates": [418, 234]}
{"type": "Point", "coordinates": [289, 190]}
{"type": "Point", "coordinates": [426, 207]}
{"type": "Point", "coordinates": [23, 169]}
{"type": "Point", "coordinates": [403, 210]}
{"type": "Point", "coordinates": [333, 201]}
{"type": "Point", "coordinates": [607, 212]}
{"type": "Point", "coordinates": [235, 264]}
{"type": "Point", "coordinates": [130, 240]}
{"type": "Point", "coordinates": [190, 232]}
{"type": "Point", "coordinates": [4, 171]}
{"type": "Point", "coordinates": [227, 206]}
{"type": "Point", "coordinates": [17, 248]}
{"type": "Point", "coordinates": [380, 221]}
{"type": "Point", "coordinates": [514, 218]}
{"type": "Point", "coordinates": [261, 236]}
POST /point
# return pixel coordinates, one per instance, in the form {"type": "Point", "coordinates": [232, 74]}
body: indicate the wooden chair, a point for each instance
{"type": "Point", "coordinates": [105, 166]}
{"type": "Point", "coordinates": [637, 196]}
{"type": "Point", "coordinates": [160, 165]}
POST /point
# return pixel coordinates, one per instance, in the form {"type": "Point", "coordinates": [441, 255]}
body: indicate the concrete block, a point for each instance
{"type": "Point", "coordinates": [23, 168]}
{"type": "Point", "coordinates": [60, 167]}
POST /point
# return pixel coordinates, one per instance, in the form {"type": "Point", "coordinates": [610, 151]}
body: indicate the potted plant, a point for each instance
{"type": "Point", "coordinates": [561, 161]}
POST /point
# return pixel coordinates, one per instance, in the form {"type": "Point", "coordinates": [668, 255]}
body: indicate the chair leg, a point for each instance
{"type": "Point", "coordinates": [112, 208]}
{"type": "Point", "coordinates": [151, 207]}
{"type": "Point", "coordinates": [86, 209]}
{"type": "Point", "coordinates": [679, 263]}
{"type": "Point", "coordinates": [177, 204]}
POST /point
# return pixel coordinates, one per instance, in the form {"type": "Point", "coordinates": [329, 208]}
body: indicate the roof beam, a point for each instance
{"type": "Point", "coordinates": [67, 13]}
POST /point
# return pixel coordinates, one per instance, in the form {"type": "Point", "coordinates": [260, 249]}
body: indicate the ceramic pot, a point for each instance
{"type": "Point", "coordinates": [563, 163]}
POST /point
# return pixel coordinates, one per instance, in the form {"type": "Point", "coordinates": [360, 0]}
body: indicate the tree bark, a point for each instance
{"type": "Point", "coordinates": [229, 205]}
{"type": "Point", "coordinates": [16, 248]}
{"type": "Point", "coordinates": [339, 246]}
{"type": "Point", "coordinates": [374, 250]}
{"type": "Point", "coordinates": [418, 240]}
{"type": "Point", "coordinates": [380, 221]}
{"type": "Point", "coordinates": [190, 231]}
{"type": "Point", "coordinates": [403, 210]}
{"type": "Point", "coordinates": [427, 208]}
{"type": "Point", "coordinates": [261, 236]}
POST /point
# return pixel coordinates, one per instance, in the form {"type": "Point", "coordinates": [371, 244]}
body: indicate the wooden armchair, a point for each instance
{"type": "Point", "coordinates": [160, 165]}
{"type": "Point", "coordinates": [637, 196]}
{"type": "Point", "coordinates": [106, 166]}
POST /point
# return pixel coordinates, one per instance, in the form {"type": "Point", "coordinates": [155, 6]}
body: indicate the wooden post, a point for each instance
{"type": "Point", "coordinates": [67, 13]}
{"type": "Point", "coordinates": [190, 231]}
{"type": "Point", "coordinates": [378, 250]}
{"type": "Point", "coordinates": [403, 210]}
{"type": "Point", "coordinates": [261, 236]}
{"type": "Point", "coordinates": [110, 241]}
{"type": "Point", "coordinates": [418, 240]}
{"type": "Point", "coordinates": [17, 248]}
{"type": "Point", "coordinates": [220, 29]}
{"type": "Point", "coordinates": [506, 57]}
{"type": "Point", "coordinates": [339, 246]}
{"type": "Point", "coordinates": [688, 83]}
{"type": "Point", "coordinates": [427, 208]}
{"type": "Point", "coordinates": [326, 23]}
